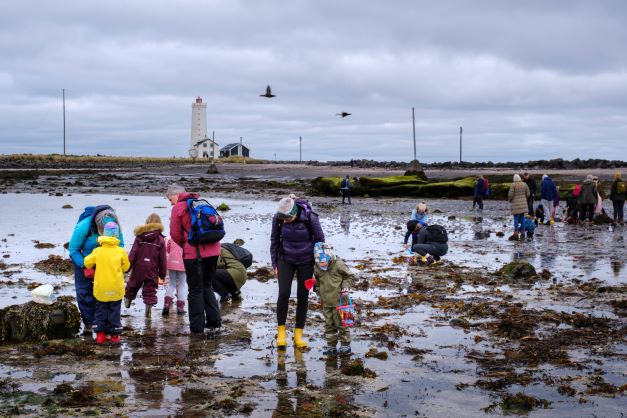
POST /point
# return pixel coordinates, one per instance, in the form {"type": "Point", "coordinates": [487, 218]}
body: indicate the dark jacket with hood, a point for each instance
{"type": "Point", "coordinates": [148, 255]}
{"type": "Point", "coordinates": [588, 194]}
{"type": "Point", "coordinates": [294, 241]}
{"type": "Point", "coordinates": [531, 183]}
{"type": "Point", "coordinates": [548, 191]}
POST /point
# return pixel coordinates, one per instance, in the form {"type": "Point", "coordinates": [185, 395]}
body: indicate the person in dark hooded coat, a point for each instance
{"type": "Point", "coordinates": [148, 262]}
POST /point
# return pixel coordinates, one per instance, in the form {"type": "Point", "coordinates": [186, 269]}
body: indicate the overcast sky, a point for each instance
{"type": "Point", "coordinates": [526, 79]}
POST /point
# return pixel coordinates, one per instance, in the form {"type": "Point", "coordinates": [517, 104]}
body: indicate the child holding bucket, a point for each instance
{"type": "Point", "coordinates": [333, 276]}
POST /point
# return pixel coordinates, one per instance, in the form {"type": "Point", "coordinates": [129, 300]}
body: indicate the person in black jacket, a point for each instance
{"type": "Point", "coordinates": [531, 183]}
{"type": "Point", "coordinates": [618, 195]}
{"type": "Point", "coordinates": [430, 241]}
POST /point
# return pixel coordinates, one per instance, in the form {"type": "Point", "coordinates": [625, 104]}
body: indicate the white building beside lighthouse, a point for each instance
{"type": "Point", "coordinates": [201, 146]}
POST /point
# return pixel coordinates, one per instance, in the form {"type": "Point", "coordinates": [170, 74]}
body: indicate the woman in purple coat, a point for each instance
{"type": "Point", "coordinates": [295, 229]}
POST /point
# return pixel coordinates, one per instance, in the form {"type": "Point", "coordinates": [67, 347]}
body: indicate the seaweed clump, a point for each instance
{"type": "Point", "coordinates": [517, 270]}
{"type": "Point", "coordinates": [55, 264]}
{"type": "Point", "coordinates": [36, 322]}
{"type": "Point", "coordinates": [356, 368]}
{"type": "Point", "coordinates": [519, 403]}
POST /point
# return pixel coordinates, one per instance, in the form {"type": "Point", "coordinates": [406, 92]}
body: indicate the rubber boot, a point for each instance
{"type": "Point", "coordinates": [180, 307]}
{"type": "Point", "coordinates": [514, 236]}
{"type": "Point", "coordinates": [281, 337]}
{"type": "Point", "coordinates": [166, 306]}
{"type": "Point", "coordinates": [298, 338]}
{"type": "Point", "coordinates": [522, 235]}
{"type": "Point", "coordinates": [100, 337]}
{"type": "Point", "coordinates": [148, 310]}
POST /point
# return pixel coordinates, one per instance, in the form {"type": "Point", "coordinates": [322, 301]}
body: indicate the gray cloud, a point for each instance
{"type": "Point", "coordinates": [527, 80]}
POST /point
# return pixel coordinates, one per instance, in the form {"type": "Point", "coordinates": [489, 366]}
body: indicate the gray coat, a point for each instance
{"type": "Point", "coordinates": [589, 194]}
{"type": "Point", "coordinates": [518, 196]}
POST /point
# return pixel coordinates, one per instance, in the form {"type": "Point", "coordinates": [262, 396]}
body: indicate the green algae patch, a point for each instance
{"type": "Point", "coordinates": [406, 186]}
{"type": "Point", "coordinates": [517, 270]}
{"type": "Point", "coordinates": [223, 207]}
{"type": "Point", "coordinates": [36, 322]}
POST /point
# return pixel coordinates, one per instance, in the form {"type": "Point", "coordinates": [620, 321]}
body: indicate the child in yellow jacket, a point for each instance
{"type": "Point", "coordinates": [111, 262]}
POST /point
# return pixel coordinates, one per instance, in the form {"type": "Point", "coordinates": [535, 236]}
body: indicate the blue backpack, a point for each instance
{"type": "Point", "coordinates": [91, 212]}
{"type": "Point", "coordinates": [207, 224]}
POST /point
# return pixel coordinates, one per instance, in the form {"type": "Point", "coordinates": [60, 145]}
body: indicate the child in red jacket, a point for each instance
{"type": "Point", "coordinates": [148, 263]}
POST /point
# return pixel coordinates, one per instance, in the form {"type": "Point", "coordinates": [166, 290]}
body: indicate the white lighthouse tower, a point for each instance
{"type": "Point", "coordinates": [200, 145]}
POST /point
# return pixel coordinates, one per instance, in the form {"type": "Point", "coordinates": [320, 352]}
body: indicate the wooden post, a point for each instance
{"type": "Point", "coordinates": [300, 138]}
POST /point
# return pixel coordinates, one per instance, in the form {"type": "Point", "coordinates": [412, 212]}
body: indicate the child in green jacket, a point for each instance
{"type": "Point", "coordinates": [332, 276]}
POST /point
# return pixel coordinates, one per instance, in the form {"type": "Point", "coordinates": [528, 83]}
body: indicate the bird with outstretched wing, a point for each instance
{"type": "Point", "coordinates": [268, 93]}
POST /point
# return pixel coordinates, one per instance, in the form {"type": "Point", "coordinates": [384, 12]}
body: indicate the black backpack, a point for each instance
{"type": "Point", "coordinates": [240, 253]}
{"type": "Point", "coordinates": [438, 233]}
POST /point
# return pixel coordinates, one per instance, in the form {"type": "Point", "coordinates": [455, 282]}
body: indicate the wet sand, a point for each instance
{"type": "Point", "coordinates": [441, 339]}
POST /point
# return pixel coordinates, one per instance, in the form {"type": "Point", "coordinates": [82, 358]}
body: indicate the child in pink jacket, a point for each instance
{"type": "Point", "coordinates": [177, 278]}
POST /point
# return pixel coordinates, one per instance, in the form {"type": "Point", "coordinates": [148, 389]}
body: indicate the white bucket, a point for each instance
{"type": "Point", "coordinates": [44, 294]}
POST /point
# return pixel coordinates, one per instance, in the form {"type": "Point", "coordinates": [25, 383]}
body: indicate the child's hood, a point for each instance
{"type": "Point", "coordinates": [143, 229]}
{"type": "Point", "coordinates": [108, 241]}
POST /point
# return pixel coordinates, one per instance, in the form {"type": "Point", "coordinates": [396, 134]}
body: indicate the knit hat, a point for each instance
{"type": "Point", "coordinates": [111, 229]}
{"type": "Point", "coordinates": [517, 177]}
{"type": "Point", "coordinates": [544, 176]}
{"type": "Point", "coordinates": [323, 254]}
{"type": "Point", "coordinates": [589, 177]}
{"type": "Point", "coordinates": [287, 208]}
{"type": "Point", "coordinates": [421, 208]}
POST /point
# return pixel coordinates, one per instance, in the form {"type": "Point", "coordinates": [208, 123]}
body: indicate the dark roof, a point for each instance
{"type": "Point", "coordinates": [231, 146]}
{"type": "Point", "coordinates": [205, 140]}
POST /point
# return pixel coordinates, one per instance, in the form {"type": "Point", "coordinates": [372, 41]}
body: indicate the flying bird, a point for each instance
{"type": "Point", "coordinates": [268, 93]}
{"type": "Point", "coordinates": [343, 114]}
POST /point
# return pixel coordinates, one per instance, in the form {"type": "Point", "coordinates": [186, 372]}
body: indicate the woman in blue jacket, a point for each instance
{"type": "Point", "coordinates": [84, 240]}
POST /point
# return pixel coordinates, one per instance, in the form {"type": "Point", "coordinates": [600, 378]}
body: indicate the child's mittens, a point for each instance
{"type": "Point", "coordinates": [89, 273]}
{"type": "Point", "coordinates": [310, 283]}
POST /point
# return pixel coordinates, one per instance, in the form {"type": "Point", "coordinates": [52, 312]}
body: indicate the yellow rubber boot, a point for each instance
{"type": "Point", "coordinates": [298, 338]}
{"type": "Point", "coordinates": [281, 337]}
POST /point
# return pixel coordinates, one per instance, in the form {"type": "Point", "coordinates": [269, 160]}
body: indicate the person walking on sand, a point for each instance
{"type": "Point", "coordinates": [110, 262]}
{"type": "Point", "coordinates": [618, 195]}
{"type": "Point", "coordinates": [548, 191]}
{"type": "Point", "coordinates": [345, 189]}
{"type": "Point", "coordinates": [295, 229]}
{"type": "Point", "coordinates": [177, 281]}
{"type": "Point", "coordinates": [531, 184]}
{"type": "Point", "coordinates": [148, 263]}
{"type": "Point", "coordinates": [518, 196]}
{"type": "Point", "coordinates": [479, 192]}
{"type": "Point", "coordinates": [200, 264]}
{"type": "Point", "coordinates": [83, 241]}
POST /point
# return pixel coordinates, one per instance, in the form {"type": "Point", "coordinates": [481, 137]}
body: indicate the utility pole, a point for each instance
{"type": "Point", "coordinates": [300, 138]}
{"type": "Point", "coordinates": [63, 121]}
{"type": "Point", "coordinates": [413, 119]}
{"type": "Point", "coordinates": [460, 144]}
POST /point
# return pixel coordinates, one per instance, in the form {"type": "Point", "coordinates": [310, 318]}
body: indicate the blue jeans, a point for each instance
{"type": "Point", "coordinates": [518, 222]}
{"type": "Point", "coordinates": [84, 295]}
